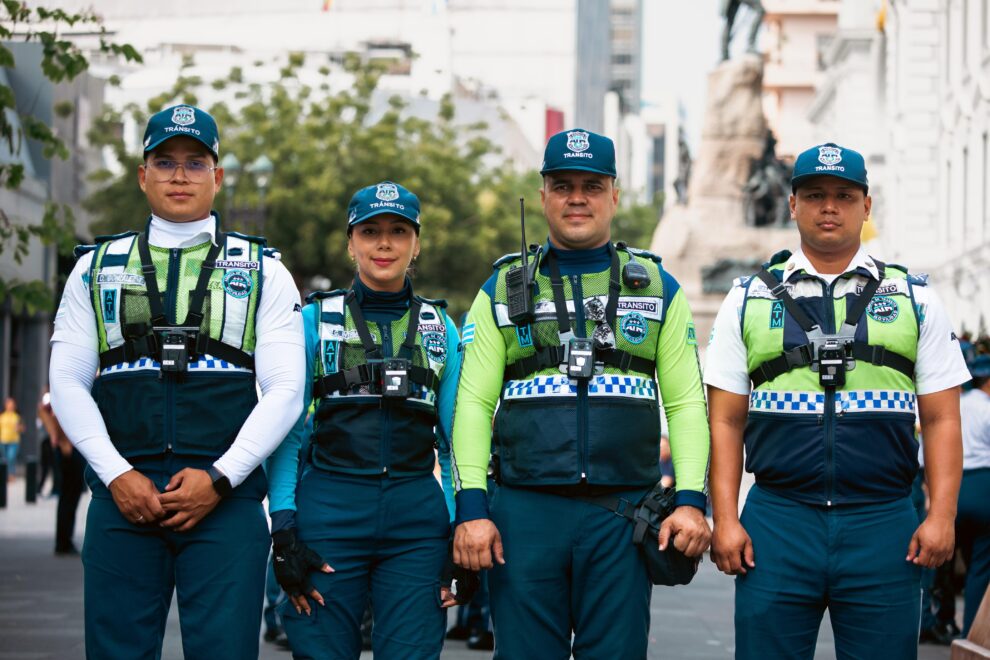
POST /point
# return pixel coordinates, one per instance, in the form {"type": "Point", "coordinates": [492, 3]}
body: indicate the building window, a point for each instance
{"type": "Point", "coordinates": [823, 43]}
{"type": "Point", "coordinates": [622, 58]}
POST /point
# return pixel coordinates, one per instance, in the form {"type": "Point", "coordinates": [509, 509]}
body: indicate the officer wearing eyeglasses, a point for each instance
{"type": "Point", "coordinates": [179, 322]}
{"type": "Point", "coordinates": [576, 382]}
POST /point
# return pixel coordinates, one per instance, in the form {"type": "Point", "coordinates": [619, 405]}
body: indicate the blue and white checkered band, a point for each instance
{"type": "Point", "coordinates": [205, 363]}
{"type": "Point", "coordinates": [633, 387]}
{"type": "Point", "coordinates": [854, 401]}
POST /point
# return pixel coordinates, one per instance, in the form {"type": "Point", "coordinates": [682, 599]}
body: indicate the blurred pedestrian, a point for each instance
{"type": "Point", "coordinates": [816, 366]}
{"type": "Point", "coordinates": [973, 518]}
{"type": "Point", "coordinates": [72, 484]}
{"type": "Point", "coordinates": [11, 428]}
{"type": "Point", "coordinates": [46, 449]}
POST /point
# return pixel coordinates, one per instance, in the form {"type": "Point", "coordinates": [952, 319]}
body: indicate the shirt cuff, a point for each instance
{"type": "Point", "coordinates": [282, 520]}
{"type": "Point", "coordinates": [691, 498]}
{"type": "Point", "coordinates": [472, 504]}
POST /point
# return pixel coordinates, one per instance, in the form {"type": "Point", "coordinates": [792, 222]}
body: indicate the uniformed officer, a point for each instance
{"type": "Point", "coordinates": [576, 387]}
{"type": "Point", "coordinates": [179, 321]}
{"type": "Point", "coordinates": [382, 366]}
{"type": "Point", "coordinates": [817, 364]}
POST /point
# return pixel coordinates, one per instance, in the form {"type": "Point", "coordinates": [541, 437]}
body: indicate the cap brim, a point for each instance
{"type": "Point", "coordinates": [577, 168]}
{"type": "Point", "coordinates": [208, 145]}
{"type": "Point", "coordinates": [377, 212]}
{"type": "Point", "coordinates": [798, 180]}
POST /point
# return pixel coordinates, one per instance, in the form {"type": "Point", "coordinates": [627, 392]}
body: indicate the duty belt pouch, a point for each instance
{"type": "Point", "coordinates": [668, 567]}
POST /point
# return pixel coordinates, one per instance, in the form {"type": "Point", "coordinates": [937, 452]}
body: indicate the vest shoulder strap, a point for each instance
{"type": "Point", "coordinates": [321, 295]}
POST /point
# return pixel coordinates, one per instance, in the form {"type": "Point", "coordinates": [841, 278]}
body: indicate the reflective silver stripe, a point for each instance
{"type": "Point", "coordinates": [846, 402]}
{"type": "Point", "coordinates": [120, 246]}
{"type": "Point", "coordinates": [235, 310]}
{"type": "Point", "coordinates": [605, 385]}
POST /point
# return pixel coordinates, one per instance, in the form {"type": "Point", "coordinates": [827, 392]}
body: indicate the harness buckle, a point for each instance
{"type": "Point", "coordinates": [778, 290]}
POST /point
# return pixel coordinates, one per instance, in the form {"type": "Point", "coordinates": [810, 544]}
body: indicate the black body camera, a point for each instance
{"type": "Point", "coordinates": [395, 378]}
{"type": "Point", "coordinates": [177, 347]}
{"type": "Point", "coordinates": [832, 364]}
{"type": "Point", "coordinates": [580, 358]}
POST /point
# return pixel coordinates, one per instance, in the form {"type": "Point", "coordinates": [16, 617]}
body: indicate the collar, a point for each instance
{"type": "Point", "coordinates": [167, 234]}
{"type": "Point", "coordinates": [861, 263]}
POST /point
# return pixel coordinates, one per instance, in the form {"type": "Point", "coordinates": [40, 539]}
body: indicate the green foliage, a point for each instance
{"type": "Point", "coordinates": [61, 61]}
{"type": "Point", "coordinates": [326, 147]}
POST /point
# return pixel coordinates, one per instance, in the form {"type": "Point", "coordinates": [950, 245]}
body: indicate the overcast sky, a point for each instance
{"type": "Point", "coordinates": [680, 46]}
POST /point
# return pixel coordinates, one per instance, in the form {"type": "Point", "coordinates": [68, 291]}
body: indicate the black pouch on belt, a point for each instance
{"type": "Point", "coordinates": [668, 567]}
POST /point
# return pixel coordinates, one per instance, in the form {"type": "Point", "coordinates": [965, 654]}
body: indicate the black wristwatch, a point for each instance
{"type": "Point", "coordinates": [221, 483]}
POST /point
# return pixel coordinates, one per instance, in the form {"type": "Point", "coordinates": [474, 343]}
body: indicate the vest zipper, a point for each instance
{"type": "Point", "coordinates": [829, 402]}
{"type": "Point", "coordinates": [171, 308]}
{"type": "Point", "coordinates": [385, 442]}
{"type": "Point", "coordinates": [577, 294]}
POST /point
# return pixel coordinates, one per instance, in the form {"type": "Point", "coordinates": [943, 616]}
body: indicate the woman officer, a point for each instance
{"type": "Point", "coordinates": [382, 366]}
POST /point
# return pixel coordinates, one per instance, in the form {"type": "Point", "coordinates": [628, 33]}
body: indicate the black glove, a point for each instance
{"type": "Point", "coordinates": [293, 562]}
{"type": "Point", "coordinates": [468, 581]}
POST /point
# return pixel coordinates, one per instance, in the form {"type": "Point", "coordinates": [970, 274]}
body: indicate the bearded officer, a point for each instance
{"type": "Point", "coordinates": [566, 575]}
{"type": "Point", "coordinates": [818, 364]}
{"type": "Point", "coordinates": [179, 321]}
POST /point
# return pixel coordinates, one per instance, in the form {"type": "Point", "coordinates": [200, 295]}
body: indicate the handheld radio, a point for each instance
{"type": "Point", "coordinates": [517, 281]}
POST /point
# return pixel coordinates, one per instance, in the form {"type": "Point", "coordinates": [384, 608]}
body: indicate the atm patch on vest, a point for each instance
{"type": "Point", "coordinates": [237, 283]}
{"type": "Point", "coordinates": [882, 309]}
{"type": "Point", "coordinates": [524, 335]}
{"type": "Point", "coordinates": [329, 357]}
{"type": "Point", "coordinates": [436, 346]}
{"type": "Point", "coordinates": [633, 327]}
{"type": "Point", "coordinates": [120, 278]}
{"type": "Point", "coordinates": [110, 306]}
{"type": "Point", "coordinates": [777, 315]}
{"type": "Point", "coordinates": [243, 265]}
{"type": "Point", "coordinates": [692, 337]}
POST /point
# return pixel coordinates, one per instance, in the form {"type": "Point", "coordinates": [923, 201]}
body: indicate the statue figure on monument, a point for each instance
{"type": "Point", "coordinates": [766, 191]}
{"type": "Point", "coordinates": [729, 11]}
{"type": "Point", "coordinates": [683, 172]}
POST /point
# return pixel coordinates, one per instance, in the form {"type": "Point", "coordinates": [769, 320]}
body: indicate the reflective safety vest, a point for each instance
{"type": "Point", "coordinates": [554, 430]}
{"type": "Point", "coordinates": [833, 445]}
{"type": "Point", "coordinates": [357, 428]}
{"type": "Point", "coordinates": [198, 412]}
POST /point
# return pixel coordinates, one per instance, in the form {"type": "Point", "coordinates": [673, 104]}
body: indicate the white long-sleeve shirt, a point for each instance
{"type": "Point", "coordinates": [280, 363]}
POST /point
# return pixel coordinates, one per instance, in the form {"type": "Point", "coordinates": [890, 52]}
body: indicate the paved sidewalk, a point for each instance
{"type": "Point", "coordinates": [41, 602]}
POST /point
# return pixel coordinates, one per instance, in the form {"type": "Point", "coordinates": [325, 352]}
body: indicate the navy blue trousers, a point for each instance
{"type": "Point", "coordinates": [848, 560]}
{"type": "Point", "coordinates": [570, 568]}
{"type": "Point", "coordinates": [386, 539]}
{"type": "Point", "coordinates": [217, 571]}
{"type": "Point", "coordinates": [973, 538]}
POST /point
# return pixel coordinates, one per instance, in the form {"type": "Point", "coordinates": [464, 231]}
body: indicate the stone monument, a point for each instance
{"type": "Point", "coordinates": [707, 242]}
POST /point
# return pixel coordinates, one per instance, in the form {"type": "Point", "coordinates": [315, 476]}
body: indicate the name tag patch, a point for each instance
{"type": "Point", "coordinates": [120, 278]}
{"type": "Point", "coordinates": [243, 265]}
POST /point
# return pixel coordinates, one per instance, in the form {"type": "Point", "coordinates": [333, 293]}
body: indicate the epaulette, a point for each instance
{"type": "Point", "coordinates": [272, 253]}
{"type": "Point", "coordinates": [320, 295]}
{"type": "Point", "coordinates": [436, 302]}
{"type": "Point", "coordinates": [80, 250]}
{"type": "Point", "coordinates": [918, 279]}
{"type": "Point", "coordinates": [742, 281]}
{"type": "Point", "coordinates": [506, 258]}
{"type": "Point", "coordinates": [247, 237]}
{"type": "Point", "coordinates": [778, 258]}
{"type": "Point", "coordinates": [113, 237]}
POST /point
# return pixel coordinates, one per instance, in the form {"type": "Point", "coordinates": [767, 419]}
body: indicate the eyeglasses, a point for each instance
{"type": "Point", "coordinates": [164, 169]}
{"type": "Point", "coordinates": [604, 337]}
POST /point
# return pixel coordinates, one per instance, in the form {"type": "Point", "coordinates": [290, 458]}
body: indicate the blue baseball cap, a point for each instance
{"type": "Point", "coordinates": [979, 367]}
{"type": "Point", "coordinates": [578, 149]}
{"type": "Point", "coordinates": [384, 197]}
{"type": "Point", "coordinates": [830, 159]}
{"type": "Point", "coordinates": [182, 120]}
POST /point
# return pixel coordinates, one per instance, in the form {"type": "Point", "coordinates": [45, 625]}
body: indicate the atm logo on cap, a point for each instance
{"type": "Point", "coordinates": [387, 192]}
{"type": "Point", "coordinates": [183, 116]}
{"type": "Point", "coordinates": [577, 141]}
{"type": "Point", "coordinates": [829, 155]}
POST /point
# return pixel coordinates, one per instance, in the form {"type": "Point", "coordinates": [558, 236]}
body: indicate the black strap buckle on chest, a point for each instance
{"type": "Point", "coordinates": [369, 374]}
{"type": "Point", "coordinates": [805, 355]}
{"type": "Point", "coordinates": [546, 357]}
{"type": "Point", "coordinates": [141, 340]}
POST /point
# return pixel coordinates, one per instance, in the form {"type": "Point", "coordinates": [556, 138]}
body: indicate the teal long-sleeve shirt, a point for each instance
{"type": "Point", "coordinates": [283, 464]}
